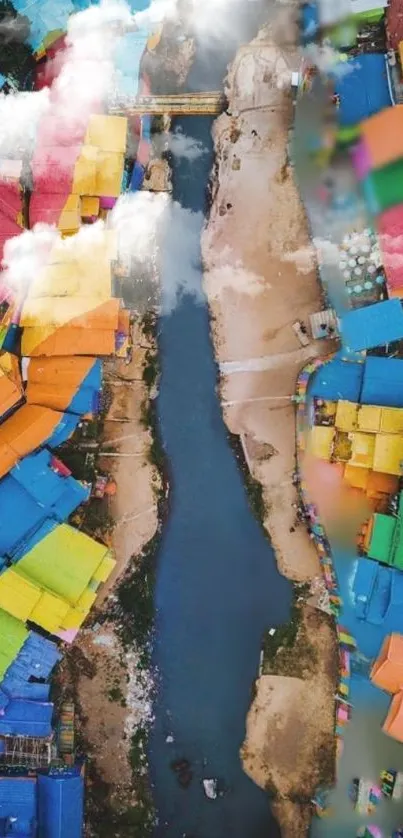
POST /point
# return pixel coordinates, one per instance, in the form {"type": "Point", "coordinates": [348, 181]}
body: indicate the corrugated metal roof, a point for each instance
{"type": "Point", "coordinates": [388, 454]}
{"type": "Point", "coordinates": [60, 805]}
{"type": "Point", "coordinates": [363, 88]}
{"type": "Point", "coordinates": [383, 136]}
{"type": "Point", "coordinates": [375, 325]}
{"type": "Point", "coordinates": [27, 718]}
{"type": "Point", "coordinates": [66, 383]}
{"type": "Point", "coordinates": [18, 596]}
{"type": "Point", "coordinates": [338, 379]}
{"type": "Point", "coordinates": [18, 800]}
{"type": "Point", "coordinates": [28, 429]}
{"type": "Point", "coordinates": [32, 493]}
{"type": "Point", "coordinates": [13, 634]}
{"type": "Point", "coordinates": [64, 562]}
{"type": "Point", "coordinates": [383, 382]}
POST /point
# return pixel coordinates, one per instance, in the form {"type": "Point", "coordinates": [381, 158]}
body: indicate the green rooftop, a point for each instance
{"type": "Point", "coordinates": [13, 635]}
{"type": "Point", "coordinates": [386, 543]}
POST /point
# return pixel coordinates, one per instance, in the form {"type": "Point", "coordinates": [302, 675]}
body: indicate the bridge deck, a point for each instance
{"type": "Point", "coordinates": [175, 104]}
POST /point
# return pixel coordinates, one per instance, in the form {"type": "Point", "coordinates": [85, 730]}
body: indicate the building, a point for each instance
{"type": "Point", "coordinates": [374, 325]}
{"type": "Point", "coordinates": [54, 584]}
{"type": "Point", "coordinates": [36, 491]}
{"type": "Point", "coordinates": [30, 428]}
{"type": "Point", "coordinates": [387, 671]}
{"type": "Point", "coordinates": [68, 383]}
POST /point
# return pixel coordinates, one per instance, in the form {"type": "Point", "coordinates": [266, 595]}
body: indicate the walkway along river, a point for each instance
{"type": "Point", "coordinates": [218, 586]}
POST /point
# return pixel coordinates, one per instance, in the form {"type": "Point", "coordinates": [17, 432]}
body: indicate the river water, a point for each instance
{"type": "Point", "coordinates": [218, 586]}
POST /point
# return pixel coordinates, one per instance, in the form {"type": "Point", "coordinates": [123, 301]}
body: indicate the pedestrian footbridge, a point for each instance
{"type": "Point", "coordinates": [196, 104]}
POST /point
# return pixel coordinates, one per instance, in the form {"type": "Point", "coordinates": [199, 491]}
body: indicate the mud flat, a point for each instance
{"type": "Point", "coordinates": [257, 289]}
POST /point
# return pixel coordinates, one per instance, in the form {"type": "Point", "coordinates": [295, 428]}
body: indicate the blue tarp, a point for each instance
{"type": "Point", "coordinates": [36, 659]}
{"type": "Point", "coordinates": [31, 493]}
{"type": "Point", "coordinates": [375, 325]}
{"type": "Point", "coordinates": [27, 718]}
{"type": "Point", "coordinates": [362, 86]}
{"type": "Point", "coordinates": [87, 399]}
{"type": "Point", "coordinates": [337, 380]}
{"type": "Point", "coordinates": [383, 382]}
{"type": "Point", "coordinates": [137, 178]}
{"type": "Point", "coordinates": [60, 805]}
{"type": "Point", "coordinates": [18, 800]}
{"type": "Point", "coordinates": [64, 430]}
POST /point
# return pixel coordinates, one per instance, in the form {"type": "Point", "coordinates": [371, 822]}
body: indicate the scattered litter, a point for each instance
{"type": "Point", "coordinates": [210, 788]}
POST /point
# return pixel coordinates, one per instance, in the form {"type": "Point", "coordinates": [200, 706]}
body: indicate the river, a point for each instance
{"type": "Point", "coordinates": [218, 586]}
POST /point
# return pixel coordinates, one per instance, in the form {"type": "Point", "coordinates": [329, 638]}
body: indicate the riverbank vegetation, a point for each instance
{"type": "Point", "coordinates": [253, 487]}
{"type": "Point", "coordinates": [289, 650]}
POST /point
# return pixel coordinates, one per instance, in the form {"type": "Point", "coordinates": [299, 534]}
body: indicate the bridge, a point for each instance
{"type": "Point", "coordinates": [191, 104]}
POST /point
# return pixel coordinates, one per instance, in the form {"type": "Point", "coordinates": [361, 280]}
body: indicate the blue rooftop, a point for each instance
{"type": "Point", "coordinates": [362, 85]}
{"type": "Point", "coordinates": [36, 659]}
{"type": "Point", "coordinates": [374, 325]}
{"type": "Point", "coordinates": [383, 382]}
{"type": "Point", "coordinates": [60, 805]}
{"type": "Point", "coordinates": [18, 801]}
{"type": "Point", "coordinates": [337, 379]}
{"type": "Point", "coordinates": [31, 493]}
{"type": "Point", "coordinates": [27, 718]}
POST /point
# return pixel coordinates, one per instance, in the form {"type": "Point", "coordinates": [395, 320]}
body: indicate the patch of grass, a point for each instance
{"type": "Point", "coordinates": [151, 368]}
{"type": "Point", "coordinates": [289, 651]}
{"type": "Point", "coordinates": [253, 487]}
{"type": "Point", "coordinates": [96, 517]}
{"type": "Point", "coordinates": [254, 490]}
{"type": "Point", "coordinates": [115, 694]}
{"type": "Point", "coordinates": [135, 600]}
{"type": "Point", "coordinates": [149, 324]}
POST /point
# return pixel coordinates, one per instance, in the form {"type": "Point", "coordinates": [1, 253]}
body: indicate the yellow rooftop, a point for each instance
{"type": "Point", "coordinates": [362, 449]}
{"type": "Point", "coordinates": [107, 133]}
{"type": "Point", "coordinates": [346, 416]}
{"type": "Point", "coordinates": [320, 442]}
{"type": "Point", "coordinates": [392, 420]}
{"type": "Point", "coordinates": [388, 454]}
{"type": "Point", "coordinates": [369, 418]}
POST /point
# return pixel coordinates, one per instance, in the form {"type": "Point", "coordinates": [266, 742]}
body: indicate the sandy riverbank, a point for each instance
{"type": "Point", "coordinates": [111, 693]}
{"type": "Point", "coordinates": [256, 292]}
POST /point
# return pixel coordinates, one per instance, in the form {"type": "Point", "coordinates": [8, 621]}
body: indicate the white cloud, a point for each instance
{"type": "Point", "coordinates": [180, 255]}
{"type": "Point", "coordinates": [186, 147]}
{"type": "Point", "coordinates": [304, 258]}
{"type": "Point", "coordinates": [328, 60]}
{"type": "Point", "coordinates": [20, 114]}
{"type": "Point", "coordinates": [25, 255]}
{"type": "Point", "coordinates": [234, 278]}
{"type": "Point", "coordinates": [85, 78]}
